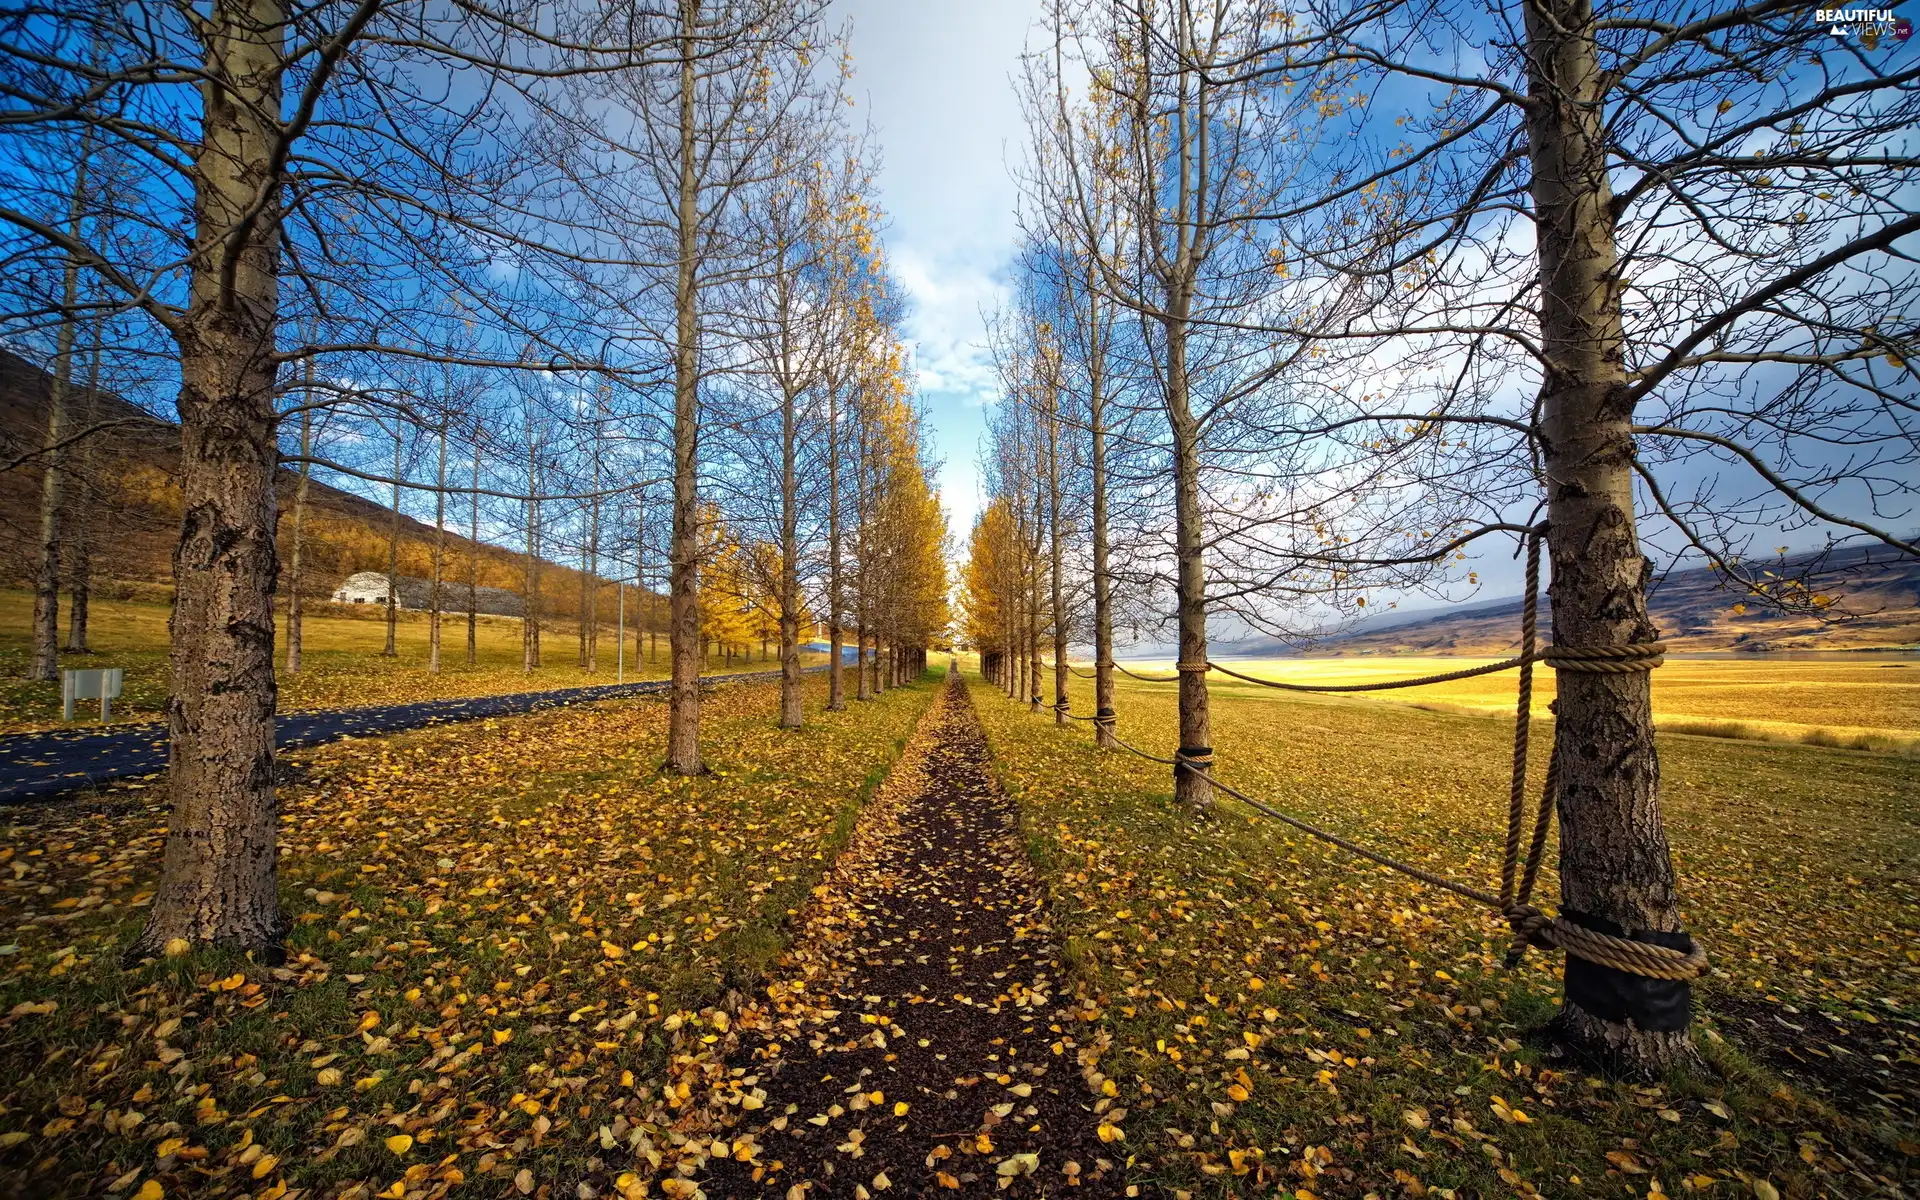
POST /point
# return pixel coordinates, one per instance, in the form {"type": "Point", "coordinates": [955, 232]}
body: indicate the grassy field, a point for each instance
{"type": "Point", "coordinates": [1858, 701]}
{"type": "Point", "coordinates": [1276, 1017]}
{"type": "Point", "coordinates": [343, 664]}
{"type": "Point", "coordinates": [501, 933]}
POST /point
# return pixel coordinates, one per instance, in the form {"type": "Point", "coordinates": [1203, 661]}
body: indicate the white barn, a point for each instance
{"type": "Point", "coordinates": [370, 587]}
{"type": "Point", "coordinates": [364, 587]}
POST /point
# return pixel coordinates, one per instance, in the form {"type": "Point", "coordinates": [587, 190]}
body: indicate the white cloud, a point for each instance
{"type": "Point", "coordinates": [949, 298]}
{"type": "Point", "coordinates": [935, 79]}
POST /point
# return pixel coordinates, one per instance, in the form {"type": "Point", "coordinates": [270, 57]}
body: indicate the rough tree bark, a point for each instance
{"type": "Point", "coordinates": [45, 663]}
{"type": "Point", "coordinates": [473, 565]}
{"type": "Point", "coordinates": [683, 694]}
{"type": "Point", "coordinates": [1032, 683]}
{"type": "Point", "coordinates": [836, 686]}
{"type": "Point", "coordinates": [530, 615]}
{"type": "Point", "coordinates": [439, 555]}
{"type": "Point", "coordinates": [1102, 581]}
{"type": "Point", "coordinates": [790, 713]}
{"type": "Point", "coordinates": [217, 879]}
{"type": "Point", "coordinates": [80, 518]}
{"type": "Point", "coordinates": [295, 615]}
{"type": "Point", "coordinates": [1054, 571]}
{"type": "Point", "coordinates": [1190, 785]}
{"type": "Point", "coordinates": [643, 599]}
{"type": "Point", "coordinates": [393, 556]}
{"type": "Point", "coordinates": [592, 614]}
{"type": "Point", "coordinates": [1614, 861]}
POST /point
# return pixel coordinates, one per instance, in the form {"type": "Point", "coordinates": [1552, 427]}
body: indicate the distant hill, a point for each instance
{"type": "Point", "coordinates": [125, 482]}
{"type": "Point", "coordinates": [1876, 605]}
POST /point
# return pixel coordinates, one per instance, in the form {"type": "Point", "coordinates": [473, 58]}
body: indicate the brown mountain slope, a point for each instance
{"type": "Point", "coordinates": [123, 485]}
{"type": "Point", "coordinates": [1876, 605]}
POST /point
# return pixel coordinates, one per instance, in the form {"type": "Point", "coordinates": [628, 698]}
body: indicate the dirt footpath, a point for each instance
{"type": "Point", "coordinates": [913, 1046]}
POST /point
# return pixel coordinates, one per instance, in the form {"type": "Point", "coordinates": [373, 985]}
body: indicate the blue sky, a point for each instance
{"type": "Point", "coordinates": [935, 79]}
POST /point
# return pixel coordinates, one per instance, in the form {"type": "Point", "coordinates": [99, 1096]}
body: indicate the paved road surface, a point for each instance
{"type": "Point", "coordinates": [36, 766]}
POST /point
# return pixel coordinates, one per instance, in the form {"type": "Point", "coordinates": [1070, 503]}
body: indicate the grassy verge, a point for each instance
{"type": "Point", "coordinates": [1275, 1017]}
{"type": "Point", "coordinates": [342, 661]}
{"type": "Point", "coordinates": [496, 927]}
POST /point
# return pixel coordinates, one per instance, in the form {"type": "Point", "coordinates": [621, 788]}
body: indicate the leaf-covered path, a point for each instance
{"type": "Point", "coordinates": [915, 1044]}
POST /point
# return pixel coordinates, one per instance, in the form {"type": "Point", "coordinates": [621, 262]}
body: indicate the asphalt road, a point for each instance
{"type": "Point", "coordinates": [39, 766]}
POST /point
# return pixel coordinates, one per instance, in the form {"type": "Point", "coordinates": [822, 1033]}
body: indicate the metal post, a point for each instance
{"type": "Point", "coordinates": [620, 638]}
{"type": "Point", "coordinates": [66, 695]}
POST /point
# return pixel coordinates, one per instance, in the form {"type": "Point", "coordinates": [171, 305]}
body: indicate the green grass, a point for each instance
{"type": "Point", "coordinates": [497, 928]}
{"type": "Point", "coordinates": [1371, 1015]}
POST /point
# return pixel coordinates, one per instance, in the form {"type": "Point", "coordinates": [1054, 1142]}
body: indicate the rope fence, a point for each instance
{"type": "Point", "coordinates": [1518, 874]}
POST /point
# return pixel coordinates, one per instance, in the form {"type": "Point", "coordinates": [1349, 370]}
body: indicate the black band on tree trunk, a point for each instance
{"type": "Point", "coordinates": [1651, 1005]}
{"type": "Point", "coordinates": [1194, 758]}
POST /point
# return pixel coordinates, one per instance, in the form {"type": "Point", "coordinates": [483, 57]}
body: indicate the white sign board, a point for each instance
{"type": "Point", "coordinates": [102, 684]}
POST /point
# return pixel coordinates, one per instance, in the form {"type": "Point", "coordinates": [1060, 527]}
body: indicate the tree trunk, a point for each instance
{"type": "Point", "coordinates": [439, 555]}
{"type": "Point", "coordinates": [393, 557]}
{"type": "Point", "coordinates": [1054, 582]}
{"type": "Point", "coordinates": [1614, 862]}
{"type": "Point", "coordinates": [790, 711]}
{"type": "Point", "coordinates": [642, 598]}
{"type": "Point", "coordinates": [217, 877]}
{"type": "Point", "coordinates": [861, 691]}
{"type": "Point", "coordinates": [295, 564]}
{"type": "Point", "coordinates": [683, 695]}
{"type": "Point", "coordinates": [81, 519]}
{"type": "Point", "coordinates": [1016, 601]}
{"type": "Point", "coordinates": [836, 686]}
{"type": "Point", "coordinates": [530, 617]}
{"type": "Point", "coordinates": [1102, 580]}
{"type": "Point", "coordinates": [473, 565]}
{"type": "Point", "coordinates": [45, 664]}
{"type": "Point", "coordinates": [580, 604]}
{"type": "Point", "coordinates": [1033, 629]}
{"type": "Point", "coordinates": [593, 558]}
{"type": "Point", "coordinates": [1196, 737]}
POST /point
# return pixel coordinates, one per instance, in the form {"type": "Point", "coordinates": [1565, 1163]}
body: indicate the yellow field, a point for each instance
{"type": "Point", "coordinates": [343, 664]}
{"type": "Point", "coordinates": [1862, 701]}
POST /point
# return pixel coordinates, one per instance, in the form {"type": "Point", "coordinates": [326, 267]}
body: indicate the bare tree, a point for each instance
{"type": "Point", "coordinates": [45, 664]}
{"type": "Point", "coordinates": [253, 124]}
{"type": "Point", "coordinates": [296, 626]}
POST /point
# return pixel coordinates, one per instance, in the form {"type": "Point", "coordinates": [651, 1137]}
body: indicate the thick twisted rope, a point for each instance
{"type": "Point", "coordinates": [1629, 659]}
{"type": "Point", "coordinates": [1517, 877]}
{"type": "Point", "coordinates": [1081, 672]}
{"type": "Point", "coordinates": [1522, 728]}
{"type": "Point", "coordinates": [1466, 673]}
